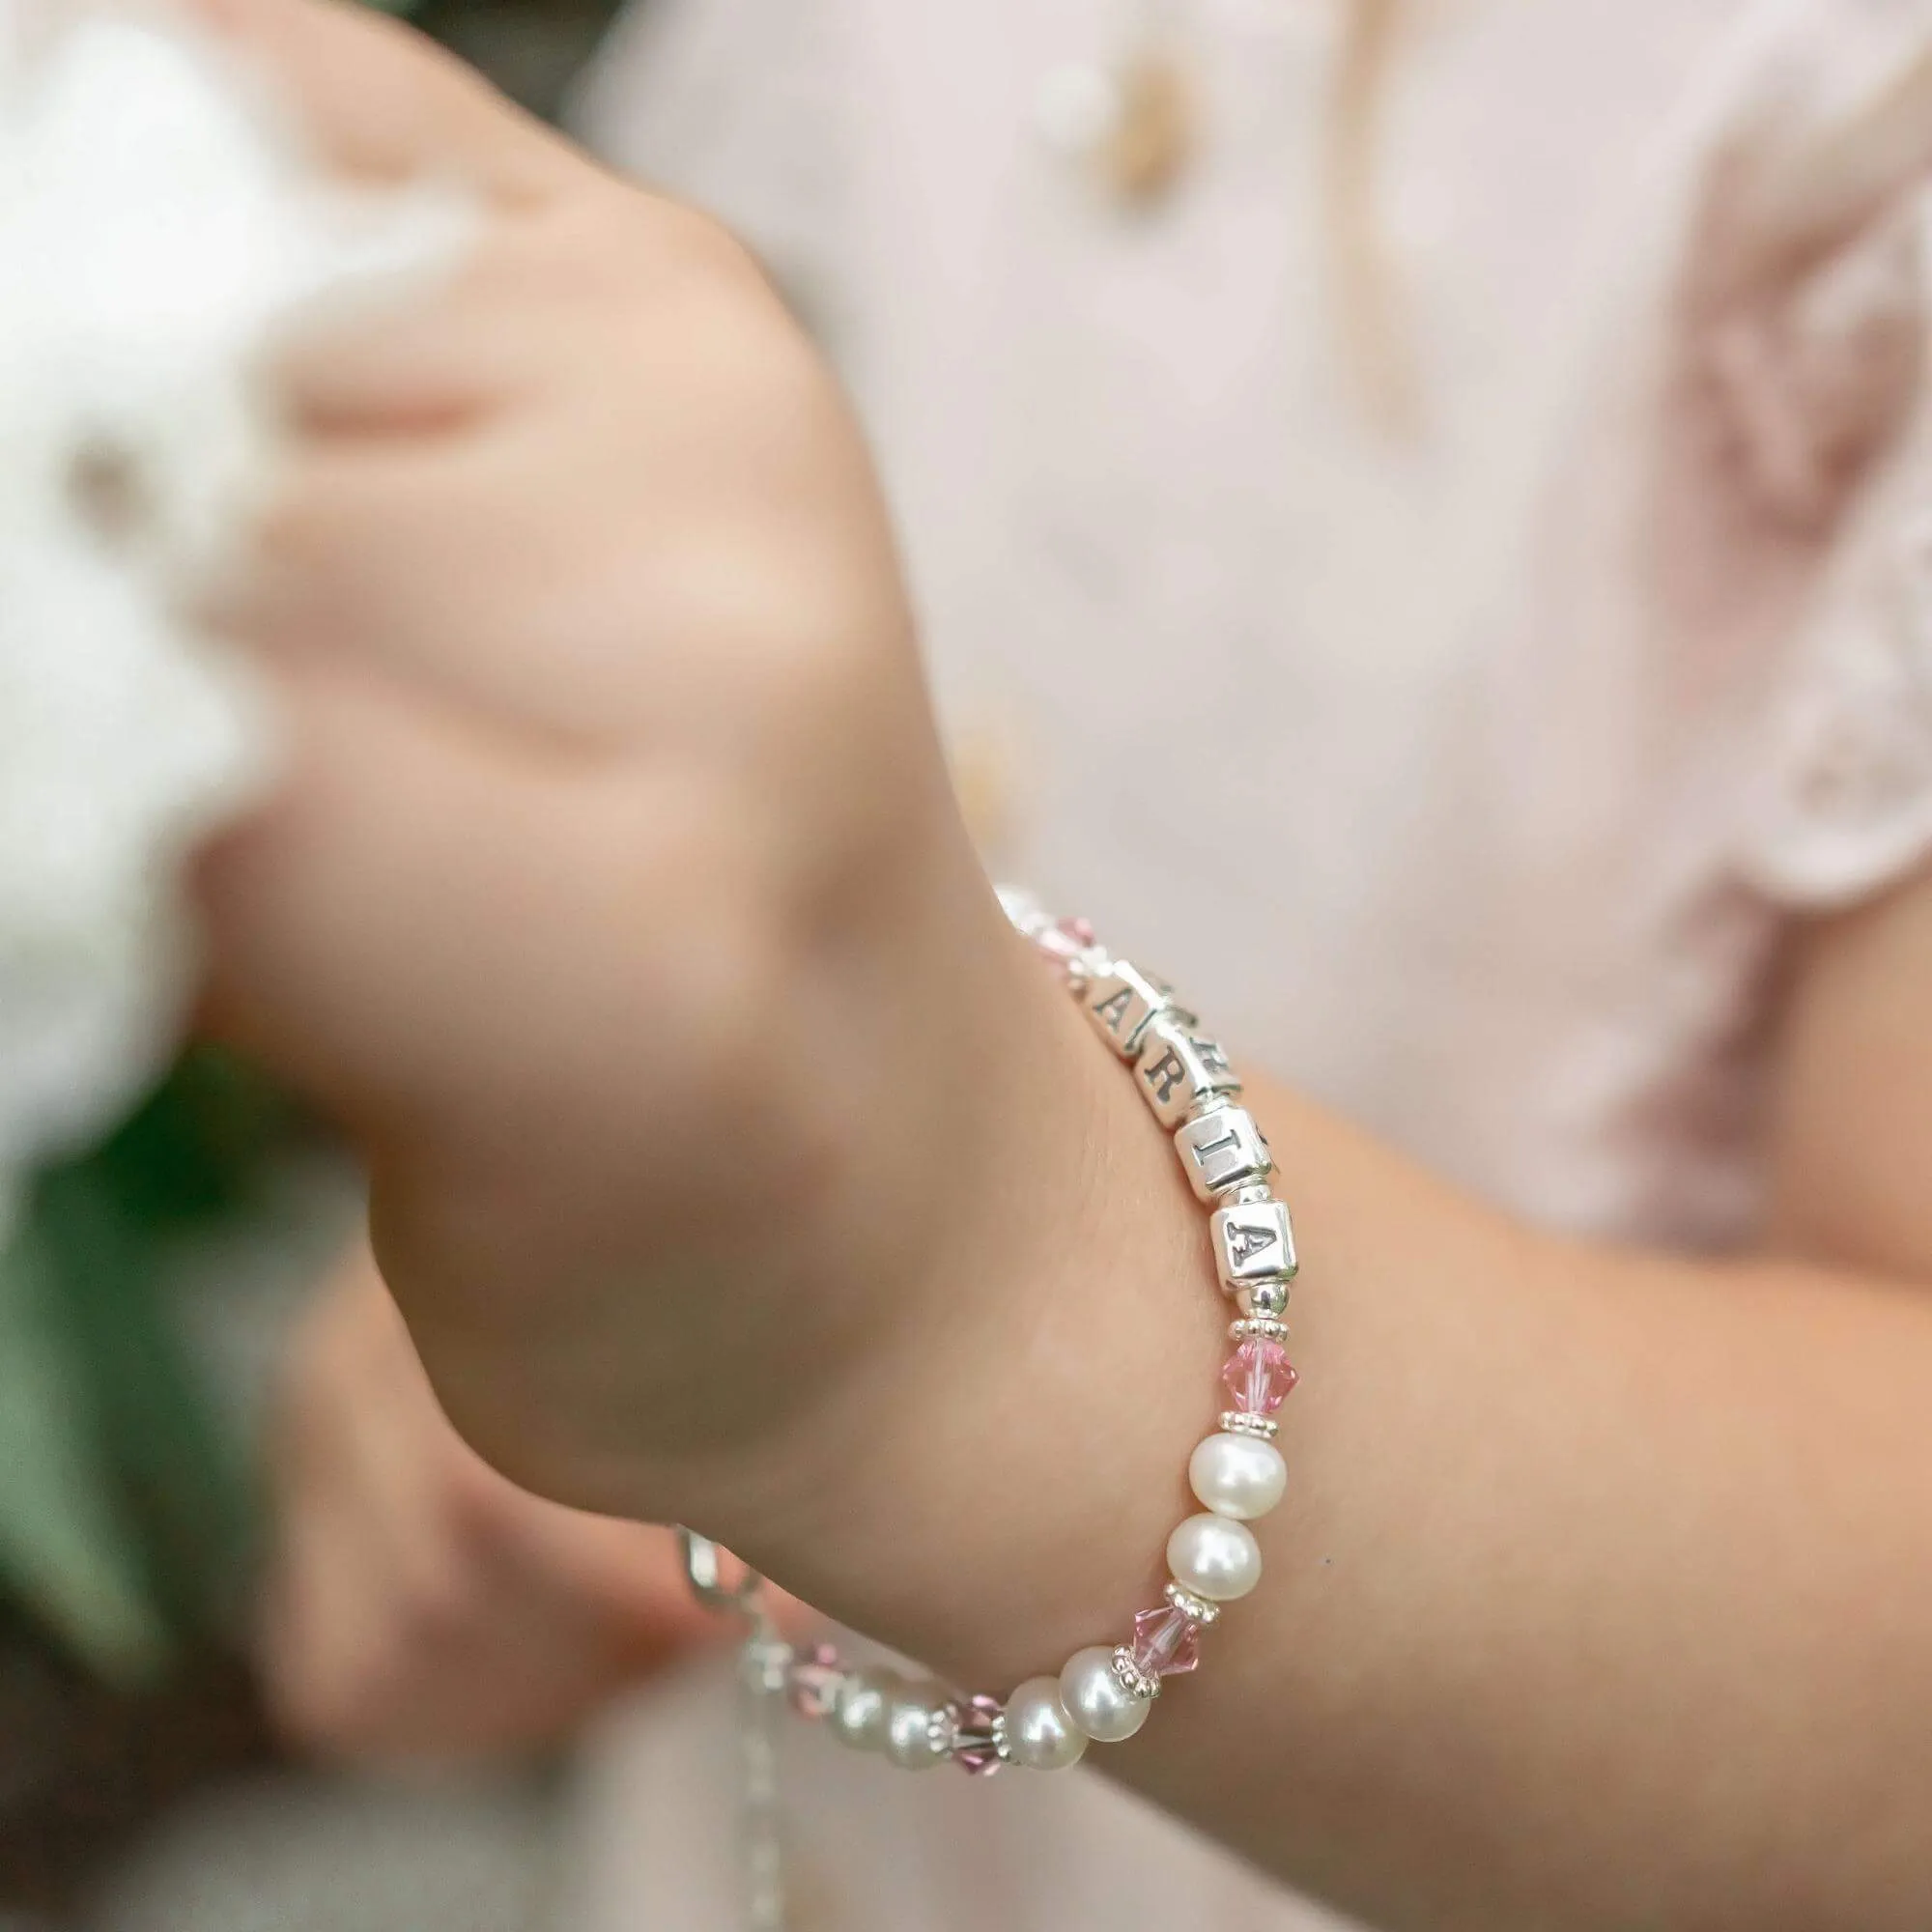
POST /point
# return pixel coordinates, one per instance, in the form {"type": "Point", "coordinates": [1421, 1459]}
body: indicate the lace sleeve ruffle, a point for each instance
{"type": "Point", "coordinates": [1843, 806]}
{"type": "Point", "coordinates": [1840, 433]}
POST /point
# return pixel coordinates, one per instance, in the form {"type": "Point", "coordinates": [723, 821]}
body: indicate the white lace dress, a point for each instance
{"type": "Point", "coordinates": [1474, 775]}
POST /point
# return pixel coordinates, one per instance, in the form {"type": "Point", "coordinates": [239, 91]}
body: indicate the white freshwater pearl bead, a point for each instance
{"type": "Point", "coordinates": [1040, 1734]}
{"type": "Point", "coordinates": [1239, 1476]}
{"type": "Point", "coordinates": [859, 1714]}
{"type": "Point", "coordinates": [1097, 1701]}
{"type": "Point", "coordinates": [1214, 1559]}
{"type": "Point", "coordinates": [909, 1725]}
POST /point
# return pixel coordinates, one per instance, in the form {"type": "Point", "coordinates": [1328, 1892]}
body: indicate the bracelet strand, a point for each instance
{"type": "Point", "coordinates": [1103, 1693]}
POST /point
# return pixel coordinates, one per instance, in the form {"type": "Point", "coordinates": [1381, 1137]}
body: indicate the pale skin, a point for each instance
{"type": "Point", "coordinates": [418, 1604]}
{"type": "Point", "coordinates": [731, 1163]}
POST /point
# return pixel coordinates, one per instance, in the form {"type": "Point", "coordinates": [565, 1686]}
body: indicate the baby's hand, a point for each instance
{"type": "Point", "coordinates": [619, 901]}
{"type": "Point", "coordinates": [417, 1605]}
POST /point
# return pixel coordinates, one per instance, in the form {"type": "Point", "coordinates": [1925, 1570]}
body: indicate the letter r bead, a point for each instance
{"type": "Point", "coordinates": [1181, 1067]}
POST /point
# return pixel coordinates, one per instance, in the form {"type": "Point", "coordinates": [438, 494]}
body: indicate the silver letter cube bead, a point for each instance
{"type": "Point", "coordinates": [1223, 1149]}
{"type": "Point", "coordinates": [1121, 1001]}
{"type": "Point", "coordinates": [1181, 1067]}
{"type": "Point", "coordinates": [1253, 1241]}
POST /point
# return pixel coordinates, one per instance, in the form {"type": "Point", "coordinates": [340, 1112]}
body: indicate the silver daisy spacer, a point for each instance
{"type": "Point", "coordinates": [1196, 1610]}
{"type": "Point", "coordinates": [765, 1665]}
{"type": "Point", "coordinates": [1238, 1422]}
{"type": "Point", "coordinates": [1261, 1328]}
{"type": "Point", "coordinates": [1133, 1680]}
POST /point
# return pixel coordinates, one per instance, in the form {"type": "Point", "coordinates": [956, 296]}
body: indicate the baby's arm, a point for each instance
{"type": "Point", "coordinates": [732, 1162]}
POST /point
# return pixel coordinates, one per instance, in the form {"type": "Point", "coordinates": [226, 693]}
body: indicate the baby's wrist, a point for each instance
{"type": "Point", "coordinates": [998, 1482]}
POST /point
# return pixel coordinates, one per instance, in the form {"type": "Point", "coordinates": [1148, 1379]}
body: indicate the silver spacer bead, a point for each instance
{"type": "Point", "coordinates": [1079, 970]}
{"type": "Point", "coordinates": [1258, 1327]}
{"type": "Point", "coordinates": [1196, 1610]}
{"type": "Point", "coordinates": [1078, 967]}
{"type": "Point", "coordinates": [1252, 1195]}
{"type": "Point", "coordinates": [1132, 1679]}
{"type": "Point", "coordinates": [1266, 1298]}
{"type": "Point", "coordinates": [1238, 1422]}
{"type": "Point", "coordinates": [1024, 913]}
{"type": "Point", "coordinates": [1210, 1103]}
{"type": "Point", "coordinates": [765, 1666]}
{"type": "Point", "coordinates": [941, 1730]}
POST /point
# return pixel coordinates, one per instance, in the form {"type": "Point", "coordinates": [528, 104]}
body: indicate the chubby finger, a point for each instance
{"type": "Point", "coordinates": [370, 549]}
{"type": "Point", "coordinates": [479, 566]}
{"type": "Point", "coordinates": [447, 933]}
{"type": "Point", "coordinates": [436, 366]}
{"type": "Point", "coordinates": [351, 906]}
{"type": "Point", "coordinates": [384, 102]}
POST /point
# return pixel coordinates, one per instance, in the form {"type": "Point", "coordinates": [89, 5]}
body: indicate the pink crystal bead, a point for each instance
{"type": "Point", "coordinates": [1167, 1642]}
{"type": "Point", "coordinates": [1260, 1376]}
{"type": "Point", "coordinates": [977, 1759]}
{"type": "Point", "coordinates": [813, 1679]}
{"type": "Point", "coordinates": [1065, 940]}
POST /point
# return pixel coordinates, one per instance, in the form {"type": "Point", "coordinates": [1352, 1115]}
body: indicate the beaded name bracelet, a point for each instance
{"type": "Point", "coordinates": [1103, 1693]}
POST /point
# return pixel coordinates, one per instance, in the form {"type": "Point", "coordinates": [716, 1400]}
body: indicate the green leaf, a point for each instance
{"type": "Point", "coordinates": [155, 1431]}
{"type": "Point", "coordinates": [198, 1144]}
{"type": "Point", "coordinates": [65, 1544]}
{"type": "Point", "coordinates": [125, 1514]}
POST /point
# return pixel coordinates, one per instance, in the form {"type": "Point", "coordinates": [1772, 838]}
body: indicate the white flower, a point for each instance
{"type": "Point", "coordinates": [158, 227]}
